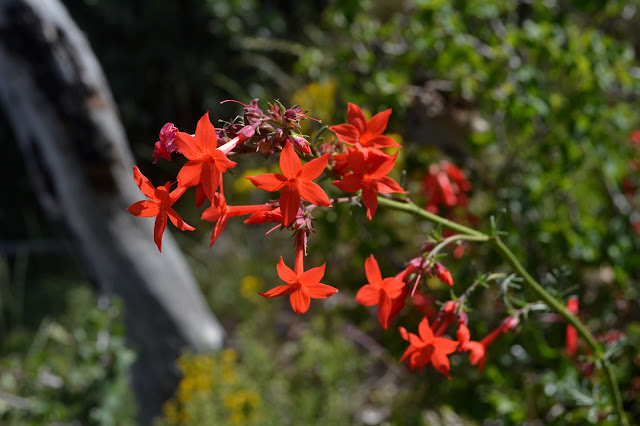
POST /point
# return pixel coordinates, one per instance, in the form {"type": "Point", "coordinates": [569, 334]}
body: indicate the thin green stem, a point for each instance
{"type": "Point", "coordinates": [530, 282]}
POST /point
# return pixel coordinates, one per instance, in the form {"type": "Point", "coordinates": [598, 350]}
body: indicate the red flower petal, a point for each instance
{"type": "Point", "coordinates": [384, 310]}
{"type": "Point", "coordinates": [289, 204]}
{"type": "Point", "coordinates": [356, 117]}
{"type": "Point", "coordinates": [350, 183]}
{"type": "Point", "coordinates": [206, 137]}
{"type": "Point", "coordinates": [279, 291]}
{"type": "Point", "coordinates": [313, 193]}
{"type": "Point", "coordinates": [143, 183]}
{"type": "Point", "coordinates": [346, 133]}
{"type": "Point", "coordinates": [270, 182]}
{"type": "Point", "coordinates": [314, 168]}
{"type": "Point", "coordinates": [290, 163]}
{"type": "Point", "coordinates": [144, 208]}
{"type": "Point", "coordinates": [190, 174]}
{"type": "Point", "coordinates": [376, 125]}
{"type": "Point", "coordinates": [300, 302]}
{"type": "Point", "coordinates": [320, 291]}
{"type": "Point", "coordinates": [372, 271]}
{"type": "Point", "coordinates": [285, 273]}
{"type": "Point", "coordinates": [158, 229]}
{"type": "Point", "coordinates": [368, 295]}
{"type": "Point", "coordinates": [178, 222]}
{"type": "Point", "coordinates": [312, 276]}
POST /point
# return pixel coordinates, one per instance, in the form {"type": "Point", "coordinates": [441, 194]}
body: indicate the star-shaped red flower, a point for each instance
{"type": "Point", "coordinates": [295, 182]}
{"type": "Point", "coordinates": [379, 291]}
{"type": "Point", "coordinates": [427, 348]}
{"type": "Point", "coordinates": [366, 133]}
{"type": "Point", "coordinates": [301, 286]}
{"type": "Point", "coordinates": [369, 174]}
{"type": "Point", "coordinates": [206, 162]}
{"type": "Point", "coordinates": [159, 205]}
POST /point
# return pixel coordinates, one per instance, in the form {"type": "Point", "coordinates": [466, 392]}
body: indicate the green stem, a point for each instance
{"type": "Point", "coordinates": [530, 282]}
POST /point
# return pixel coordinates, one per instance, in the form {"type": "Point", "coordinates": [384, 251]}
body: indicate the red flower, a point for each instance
{"type": "Point", "coordinates": [295, 182]}
{"type": "Point", "coordinates": [367, 134]}
{"type": "Point", "coordinates": [159, 205]}
{"type": "Point", "coordinates": [166, 145]}
{"type": "Point", "coordinates": [476, 350]}
{"type": "Point", "coordinates": [301, 285]}
{"type": "Point", "coordinates": [572, 333]}
{"type": "Point", "coordinates": [427, 348]}
{"type": "Point", "coordinates": [443, 274]}
{"type": "Point", "coordinates": [220, 212]}
{"type": "Point", "coordinates": [379, 292]}
{"type": "Point", "coordinates": [206, 162]}
{"type": "Point", "coordinates": [445, 185]}
{"type": "Point", "coordinates": [370, 175]}
{"type": "Point", "coordinates": [267, 216]}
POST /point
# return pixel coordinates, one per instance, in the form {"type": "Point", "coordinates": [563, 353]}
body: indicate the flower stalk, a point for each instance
{"type": "Point", "coordinates": [529, 281]}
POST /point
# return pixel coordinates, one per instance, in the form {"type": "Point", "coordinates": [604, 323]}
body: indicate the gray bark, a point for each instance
{"type": "Point", "coordinates": [54, 93]}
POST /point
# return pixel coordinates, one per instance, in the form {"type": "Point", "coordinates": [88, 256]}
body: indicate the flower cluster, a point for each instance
{"type": "Point", "coordinates": [358, 161]}
{"type": "Point", "coordinates": [210, 150]}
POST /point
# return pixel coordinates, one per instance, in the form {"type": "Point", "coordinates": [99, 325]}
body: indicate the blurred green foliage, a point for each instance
{"type": "Point", "coordinates": [552, 89]}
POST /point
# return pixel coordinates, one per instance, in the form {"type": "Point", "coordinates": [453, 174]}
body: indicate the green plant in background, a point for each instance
{"type": "Point", "coordinates": [553, 87]}
{"type": "Point", "coordinates": [75, 369]}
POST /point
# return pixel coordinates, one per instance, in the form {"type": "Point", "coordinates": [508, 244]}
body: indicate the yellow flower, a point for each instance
{"type": "Point", "coordinates": [249, 286]}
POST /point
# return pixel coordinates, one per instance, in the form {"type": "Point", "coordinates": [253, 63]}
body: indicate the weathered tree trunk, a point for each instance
{"type": "Point", "coordinates": [56, 97]}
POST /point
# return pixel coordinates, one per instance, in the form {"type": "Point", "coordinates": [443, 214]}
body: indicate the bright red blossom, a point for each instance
{"type": "Point", "coordinates": [301, 285]}
{"type": "Point", "coordinates": [370, 175]}
{"type": "Point", "coordinates": [295, 182]}
{"type": "Point", "coordinates": [427, 348]}
{"type": "Point", "coordinates": [159, 205]}
{"type": "Point", "coordinates": [572, 333]}
{"type": "Point", "coordinates": [366, 133]}
{"type": "Point", "coordinates": [443, 274]}
{"type": "Point", "coordinates": [206, 162]}
{"type": "Point", "coordinates": [379, 291]}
